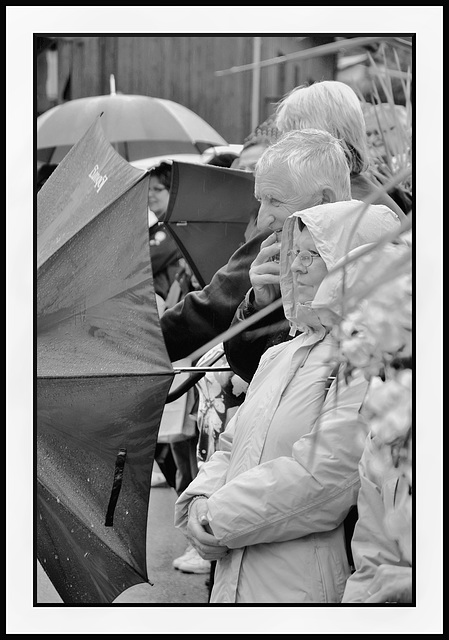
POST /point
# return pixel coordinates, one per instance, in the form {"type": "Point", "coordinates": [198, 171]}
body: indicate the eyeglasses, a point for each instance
{"type": "Point", "coordinates": [305, 257]}
{"type": "Point", "coordinates": [157, 189]}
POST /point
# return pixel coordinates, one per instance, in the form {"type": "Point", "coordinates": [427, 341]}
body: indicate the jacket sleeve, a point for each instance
{"type": "Point", "coordinates": [311, 491]}
{"type": "Point", "coordinates": [203, 315]}
{"type": "Point", "coordinates": [371, 543]}
{"type": "Point", "coordinates": [210, 478]}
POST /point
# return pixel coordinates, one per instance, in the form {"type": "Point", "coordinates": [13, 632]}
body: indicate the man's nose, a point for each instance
{"type": "Point", "coordinates": [264, 219]}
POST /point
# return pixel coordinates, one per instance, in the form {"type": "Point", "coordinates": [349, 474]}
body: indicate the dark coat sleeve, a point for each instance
{"type": "Point", "coordinates": [203, 315]}
{"type": "Point", "coordinates": [244, 350]}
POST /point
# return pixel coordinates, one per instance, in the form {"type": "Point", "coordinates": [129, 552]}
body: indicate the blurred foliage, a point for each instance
{"type": "Point", "coordinates": [387, 106]}
{"type": "Point", "coordinates": [393, 63]}
{"type": "Point", "coordinates": [390, 56]}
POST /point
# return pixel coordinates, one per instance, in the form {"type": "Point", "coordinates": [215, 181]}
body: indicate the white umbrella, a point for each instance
{"type": "Point", "coordinates": [137, 126]}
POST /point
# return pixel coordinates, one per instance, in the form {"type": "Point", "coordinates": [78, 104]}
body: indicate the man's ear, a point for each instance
{"type": "Point", "coordinates": [328, 195]}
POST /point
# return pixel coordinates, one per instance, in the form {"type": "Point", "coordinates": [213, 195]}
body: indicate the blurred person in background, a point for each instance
{"type": "Point", "coordinates": [382, 539]}
{"type": "Point", "coordinates": [380, 324]}
{"type": "Point", "coordinates": [222, 160]}
{"type": "Point", "coordinates": [167, 261]}
{"type": "Point", "coordinates": [255, 144]}
{"type": "Point", "coordinates": [253, 147]}
{"type": "Point", "coordinates": [388, 128]}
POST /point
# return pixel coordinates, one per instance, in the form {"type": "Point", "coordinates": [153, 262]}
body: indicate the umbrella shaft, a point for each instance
{"type": "Point", "coordinates": [193, 369]}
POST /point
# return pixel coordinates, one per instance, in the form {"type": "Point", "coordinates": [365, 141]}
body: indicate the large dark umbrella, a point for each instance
{"type": "Point", "coordinates": [103, 373]}
{"type": "Point", "coordinates": [207, 214]}
{"type": "Point", "coordinates": [137, 126]}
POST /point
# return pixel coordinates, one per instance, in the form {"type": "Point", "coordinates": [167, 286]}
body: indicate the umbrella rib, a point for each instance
{"type": "Point", "coordinates": [46, 322]}
{"type": "Point", "coordinates": [109, 375]}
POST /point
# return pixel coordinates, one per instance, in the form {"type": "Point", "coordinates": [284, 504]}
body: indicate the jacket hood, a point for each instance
{"type": "Point", "coordinates": [357, 277]}
{"type": "Point", "coordinates": [336, 229]}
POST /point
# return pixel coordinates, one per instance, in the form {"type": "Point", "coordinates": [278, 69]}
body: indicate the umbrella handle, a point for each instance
{"type": "Point", "coordinates": [116, 487]}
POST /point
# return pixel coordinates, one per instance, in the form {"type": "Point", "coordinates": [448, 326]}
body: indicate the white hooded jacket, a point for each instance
{"type": "Point", "coordinates": [286, 473]}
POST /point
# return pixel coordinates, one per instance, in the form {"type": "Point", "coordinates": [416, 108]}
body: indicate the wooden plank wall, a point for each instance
{"type": "Point", "coordinates": [182, 68]}
{"type": "Point", "coordinates": [279, 79]}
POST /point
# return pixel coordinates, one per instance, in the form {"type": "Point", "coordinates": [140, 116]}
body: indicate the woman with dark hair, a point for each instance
{"type": "Point", "coordinates": [165, 254]}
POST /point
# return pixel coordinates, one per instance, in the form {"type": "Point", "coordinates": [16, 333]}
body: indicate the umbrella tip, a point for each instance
{"type": "Point", "coordinates": [112, 84]}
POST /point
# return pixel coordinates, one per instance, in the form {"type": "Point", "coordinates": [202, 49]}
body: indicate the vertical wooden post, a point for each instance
{"type": "Point", "coordinates": [255, 98]}
{"type": "Point", "coordinates": [112, 84]}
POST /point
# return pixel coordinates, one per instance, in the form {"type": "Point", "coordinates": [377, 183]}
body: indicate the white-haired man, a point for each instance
{"type": "Point", "coordinates": [203, 315]}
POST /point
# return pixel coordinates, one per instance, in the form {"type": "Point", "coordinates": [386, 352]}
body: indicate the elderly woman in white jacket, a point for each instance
{"type": "Point", "coordinates": [269, 505]}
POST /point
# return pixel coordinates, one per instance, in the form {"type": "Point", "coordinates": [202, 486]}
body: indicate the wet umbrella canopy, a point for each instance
{"type": "Point", "coordinates": [207, 214]}
{"type": "Point", "coordinates": [137, 126]}
{"type": "Point", "coordinates": [103, 373]}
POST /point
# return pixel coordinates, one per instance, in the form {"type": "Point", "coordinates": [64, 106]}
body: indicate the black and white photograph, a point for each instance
{"type": "Point", "coordinates": [224, 306]}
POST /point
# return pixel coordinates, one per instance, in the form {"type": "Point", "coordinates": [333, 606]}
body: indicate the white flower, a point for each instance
{"type": "Point", "coordinates": [405, 378]}
{"type": "Point", "coordinates": [385, 333]}
{"type": "Point", "coordinates": [210, 404]}
{"type": "Point", "coordinates": [391, 407]}
{"type": "Point", "coordinates": [158, 237]}
{"type": "Point", "coordinates": [357, 350]}
{"type": "Point", "coordinates": [214, 392]}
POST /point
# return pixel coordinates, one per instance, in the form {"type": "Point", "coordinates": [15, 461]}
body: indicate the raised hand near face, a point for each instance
{"type": "Point", "coordinates": [265, 272]}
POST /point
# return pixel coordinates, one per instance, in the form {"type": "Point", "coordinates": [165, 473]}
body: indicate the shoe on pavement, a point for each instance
{"type": "Point", "coordinates": [180, 559]}
{"type": "Point", "coordinates": [194, 564]}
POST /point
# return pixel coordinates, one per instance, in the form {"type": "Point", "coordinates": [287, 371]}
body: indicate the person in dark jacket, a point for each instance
{"type": "Point", "coordinates": [202, 316]}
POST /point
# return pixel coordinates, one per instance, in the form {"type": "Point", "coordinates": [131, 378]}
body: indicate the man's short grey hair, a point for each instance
{"type": "Point", "coordinates": [332, 106]}
{"type": "Point", "coordinates": [313, 159]}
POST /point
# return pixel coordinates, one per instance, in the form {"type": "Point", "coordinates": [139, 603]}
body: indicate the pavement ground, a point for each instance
{"type": "Point", "coordinates": [164, 543]}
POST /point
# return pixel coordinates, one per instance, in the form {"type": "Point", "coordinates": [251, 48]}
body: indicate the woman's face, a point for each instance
{"type": "Point", "coordinates": [306, 278]}
{"type": "Point", "coordinates": [158, 197]}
